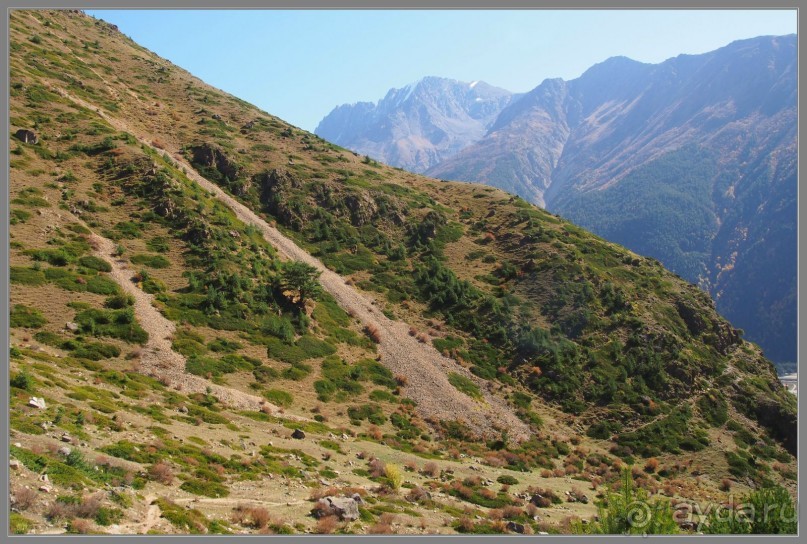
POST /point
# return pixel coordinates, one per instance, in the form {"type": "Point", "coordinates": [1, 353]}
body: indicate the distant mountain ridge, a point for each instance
{"type": "Point", "coordinates": [691, 161]}
{"type": "Point", "coordinates": [420, 125]}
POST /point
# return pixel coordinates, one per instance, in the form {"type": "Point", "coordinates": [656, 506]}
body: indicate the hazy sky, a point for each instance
{"type": "Point", "coordinates": [299, 65]}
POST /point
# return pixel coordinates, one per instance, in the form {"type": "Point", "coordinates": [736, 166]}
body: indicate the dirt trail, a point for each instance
{"type": "Point", "coordinates": [157, 358]}
{"type": "Point", "coordinates": [230, 501]}
{"type": "Point", "coordinates": [152, 515]}
{"type": "Point", "coordinates": [425, 369]}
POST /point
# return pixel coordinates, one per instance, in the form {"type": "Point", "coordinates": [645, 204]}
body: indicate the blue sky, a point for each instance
{"type": "Point", "coordinates": [299, 65]}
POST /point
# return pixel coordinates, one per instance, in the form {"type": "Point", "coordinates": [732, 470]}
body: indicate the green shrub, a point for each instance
{"type": "Point", "coordinates": [31, 201]}
{"type": "Point", "coordinates": [22, 380]}
{"type": "Point", "coordinates": [307, 347]}
{"type": "Point", "coordinates": [466, 385]}
{"type": "Point", "coordinates": [55, 257]}
{"type": "Point", "coordinates": [379, 395]}
{"type": "Point", "coordinates": [113, 323]}
{"type": "Point", "coordinates": [26, 276]}
{"type": "Point", "coordinates": [329, 315]}
{"type": "Point", "coordinates": [94, 263]}
{"type": "Point", "coordinates": [265, 373]}
{"type": "Point", "coordinates": [296, 372]}
{"type": "Point", "coordinates": [119, 301]}
{"type": "Point", "coordinates": [18, 524]}
{"type": "Point", "coordinates": [25, 317]}
{"type": "Point", "coordinates": [670, 434]}
{"type": "Point", "coordinates": [190, 521]}
{"type": "Point", "coordinates": [278, 397]}
{"type": "Point", "coordinates": [325, 389]}
{"type": "Point", "coordinates": [447, 344]}
{"type": "Point", "coordinates": [18, 216]}
{"type": "Point", "coordinates": [158, 244]}
{"type": "Point", "coordinates": [766, 511]}
{"type": "Point", "coordinates": [94, 351]}
{"type": "Point", "coordinates": [371, 412]}
{"type": "Point", "coordinates": [222, 345]}
{"type": "Point", "coordinates": [629, 511]}
{"type": "Point", "coordinates": [202, 366]}
{"type": "Point", "coordinates": [101, 285]}
{"type": "Point", "coordinates": [107, 516]}
{"type": "Point", "coordinates": [188, 343]}
{"type": "Point", "coordinates": [150, 284]}
{"type": "Point", "coordinates": [604, 429]}
{"type": "Point", "coordinates": [506, 479]}
{"type": "Point", "coordinates": [152, 261]}
{"type": "Point", "coordinates": [373, 371]}
{"type": "Point", "coordinates": [129, 229]}
{"type": "Point", "coordinates": [714, 408]}
{"type": "Point", "coordinates": [205, 488]}
{"type": "Point", "coordinates": [314, 348]}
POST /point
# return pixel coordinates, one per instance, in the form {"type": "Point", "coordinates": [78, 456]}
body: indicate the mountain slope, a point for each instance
{"type": "Point", "coordinates": [681, 161]}
{"type": "Point", "coordinates": [419, 125]}
{"type": "Point", "coordinates": [604, 356]}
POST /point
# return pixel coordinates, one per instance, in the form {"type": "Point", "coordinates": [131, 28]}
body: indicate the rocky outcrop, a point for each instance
{"type": "Point", "coordinates": [362, 208]}
{"type": "Point", "coordinates": [37, 402]}
{"type": "Point", "coordinates": [276, 193]}
{"type": "Point", "coordinates": [719, 334]}
{"type": "Point", "coordinates": [211, 156]}
{"type": "Point", "coordinates": [344, 508]}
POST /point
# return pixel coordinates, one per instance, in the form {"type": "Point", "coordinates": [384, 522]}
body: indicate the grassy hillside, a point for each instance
{"type": "Point", "coordinates": [607, 358]}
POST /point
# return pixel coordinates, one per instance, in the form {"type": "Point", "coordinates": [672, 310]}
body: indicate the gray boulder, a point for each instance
{"type": "Point", "coordinates": [344, 508]}
{"type": "Point", "coordinates": [514, 527]}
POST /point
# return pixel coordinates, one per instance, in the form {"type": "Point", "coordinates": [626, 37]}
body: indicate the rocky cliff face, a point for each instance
{"type": "Point", "coordinates": [417, 126]}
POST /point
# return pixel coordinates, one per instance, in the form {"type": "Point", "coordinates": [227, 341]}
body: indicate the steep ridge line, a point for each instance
{"type": "Point", "coordinates": [425, 369]}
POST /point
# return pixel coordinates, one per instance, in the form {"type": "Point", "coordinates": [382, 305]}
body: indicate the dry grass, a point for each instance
{"type": "Point", "coordinates": [89, 506]}
{"type": "Point", "coordinates": [250, 516]}
{"type": "Point", "coordinates": [417, 494]}
{"type": "Point", "coordinates": [511, 512]}
{"type": "Point", "coordinates": [161, 472]}
{"type": "Point", "coordinates": [431, 470]}
{"type": "Point", "coordinates": [24, 498]}
{"type": "Point", "coordinates": [383, 526]}
{"type": "Point", "coordinates": [377, 468]}
{"type": "Point", "coordinates": [466, 525]}
{"type": "Point", "coordinates": [326, 525]}
{"type": "Point", "coordinates": [80, 526]}
{"type": "Point", "coordinates": [373, 333]}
